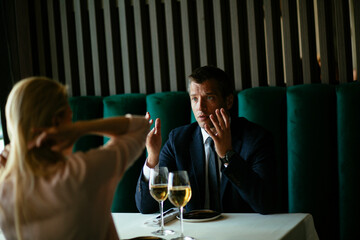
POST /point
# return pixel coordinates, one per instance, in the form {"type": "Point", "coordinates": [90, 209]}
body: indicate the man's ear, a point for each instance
{"type": "Point", "coordinates": [229, 101]}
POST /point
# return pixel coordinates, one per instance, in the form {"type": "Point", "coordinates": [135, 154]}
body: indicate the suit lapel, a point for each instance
{"type": "Point", "coordinates": [197, 171]}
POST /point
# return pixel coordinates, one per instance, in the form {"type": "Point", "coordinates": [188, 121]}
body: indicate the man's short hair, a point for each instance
{"type": "Point", "coordinates": [201, 74]}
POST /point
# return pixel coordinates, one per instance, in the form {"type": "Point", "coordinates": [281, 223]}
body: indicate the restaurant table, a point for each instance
{"type": "Point", "coordinates": [252, 226]}
{"type": "Point", "coordinates": [234, 226]}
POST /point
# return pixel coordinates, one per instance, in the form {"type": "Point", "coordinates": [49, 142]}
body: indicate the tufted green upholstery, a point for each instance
{"type": "Point", "coordinates": [312, 156]}
{"type": "Point", "coordinates": [348, 122]}
{"type": "Point", "coordinates": [173, 108]}
{"type": "Point", "coordinates": [266, 106]}
{"type": "Point", "coordinates": [86, 108]}
{"type": "Point", "coordinates": [120, 105]}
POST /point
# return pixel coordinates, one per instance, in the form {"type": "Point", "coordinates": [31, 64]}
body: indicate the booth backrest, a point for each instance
{"type": "Point", "coordinates": [266, 106]}
{"type": "Point", "coordinates": [348, 136]}
{"type": "Point", "coordinates": [316, 128]}
{"type": "Point", "coordinates": [312, 155]}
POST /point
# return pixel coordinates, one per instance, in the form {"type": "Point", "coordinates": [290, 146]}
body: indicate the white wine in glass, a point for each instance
{"type": "Point", "coordinates": [179, 195]}
{"type": "Point", "coordinates": [158, 185]}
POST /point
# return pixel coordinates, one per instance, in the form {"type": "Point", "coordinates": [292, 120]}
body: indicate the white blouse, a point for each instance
{"type": "Point", "coordinates": [75, 202]}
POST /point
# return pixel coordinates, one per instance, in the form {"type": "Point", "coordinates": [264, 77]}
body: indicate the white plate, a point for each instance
{"type": "Point", "coordinates": [200, 216]}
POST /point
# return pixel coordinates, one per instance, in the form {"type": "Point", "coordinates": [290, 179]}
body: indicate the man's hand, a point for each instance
{"type": "Point", "coordinates": [153, 142]}
{"type": "Point", "coordinates": [221, 133]}
{"type": "Point", "coordinates": [4, 155]}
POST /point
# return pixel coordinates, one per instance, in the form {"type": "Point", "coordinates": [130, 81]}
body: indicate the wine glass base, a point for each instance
{"type": "Point", "coordinates": [163, 232]}
{"type": "Point", "coordinates": [183, 238]}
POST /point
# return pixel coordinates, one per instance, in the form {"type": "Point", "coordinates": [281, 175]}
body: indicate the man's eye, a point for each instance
{"type": "Point", "coordinates": [194, 99]}
{"type": "Point", "coordinates": [210, 98]}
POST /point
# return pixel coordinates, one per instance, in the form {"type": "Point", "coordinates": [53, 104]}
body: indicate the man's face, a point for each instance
{"type": "Point", "coordinates": [205, 98]}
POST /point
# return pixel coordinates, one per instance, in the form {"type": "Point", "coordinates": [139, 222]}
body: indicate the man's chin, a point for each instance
{"type": "Point", "coordinates": [202, 124]}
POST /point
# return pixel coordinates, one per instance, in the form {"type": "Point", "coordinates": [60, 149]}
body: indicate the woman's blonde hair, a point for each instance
{"type": "Point", "coordinates": [33, 103]}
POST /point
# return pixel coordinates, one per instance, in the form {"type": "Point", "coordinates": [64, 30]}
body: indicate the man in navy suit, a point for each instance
{"type": "Point", "coordinates": [245, 152]}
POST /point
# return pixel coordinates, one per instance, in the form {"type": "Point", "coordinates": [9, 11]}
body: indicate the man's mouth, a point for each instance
{"type": "Point", "coordinates": [203, 117]}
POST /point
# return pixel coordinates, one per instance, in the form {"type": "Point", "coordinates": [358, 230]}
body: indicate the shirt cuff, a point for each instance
{"type": "Point", "coordinates": [146, 171]}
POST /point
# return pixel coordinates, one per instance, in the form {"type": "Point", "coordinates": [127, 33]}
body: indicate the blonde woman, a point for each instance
{"type": "Point", "coordinates": [48, 192]}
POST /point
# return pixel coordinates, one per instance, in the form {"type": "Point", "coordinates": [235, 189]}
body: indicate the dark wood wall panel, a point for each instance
{"type": "Point", "coordinates": [240, 49]}
{"type": "Point", "coordinates": [55, 38]}
{"type": "Point", "coordinates": [82, 26]}
{"type": "Point", "coordinates": [328, 73]}
{"type": "Point", "coordinates": [343, 40]}
{"type": "Point", "coordinates": [356, 5]}
{"type": "Point", "coordinates": [79, 13]}
{"type": "Point", "coordinates": [129, 46]}
{"type": "Point", "coordinates": [274, 42]}
{"type": "Point", "coordinates": [190, 40]}
{"type": "Point", "coordinates": [40, 59]}
{"type": "Point", "coordinates": [206, 37]}
{"type": "Point", "coordinates": [69, 46]}
{"type": "Point", "coordinates": [159, 45]}
{"type": "Point", "coordinates": [64, 15]}
{"type": "Point", "coordinates": [308, 42]}
{"type": "Point", "coordinates": [291, 43]}
{"type": "Point", "coordinates": [235, 28]}
{"type": "Point", "coordinates": [143, 46]}
{"type": "Point", "coordinates": [52, 38]}
{"type": "Point", "coordinates": [218, 10]}
{"type": "Point", "coordinates": [112, 45]}
{"type": "Point", "coordinates": [24, 43]}
{"type": "Point", "coordinates": [175, 45]}
{"type": "Point", "coordinates": [98, 50]}
{"type": "Point", "coordinates": [257, 43]}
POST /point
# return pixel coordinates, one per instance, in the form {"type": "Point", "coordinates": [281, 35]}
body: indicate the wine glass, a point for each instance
{"type": "Point", "coordinates": [158, 185]}
{"type": "Point", "coordinates": [179, 195]}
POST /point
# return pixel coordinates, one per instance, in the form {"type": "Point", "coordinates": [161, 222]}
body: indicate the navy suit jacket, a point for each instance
{"type": "Point", "coordinates": [247, 184]}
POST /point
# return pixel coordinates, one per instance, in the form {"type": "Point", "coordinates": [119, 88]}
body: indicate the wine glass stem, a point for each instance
{"type": "Point", "coordinates": [162, 214]}
{"type": "Point", "coordinates": [181, 221]}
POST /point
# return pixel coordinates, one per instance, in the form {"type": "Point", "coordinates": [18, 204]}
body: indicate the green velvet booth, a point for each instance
{"type": "Point", "coordinates": [86, 108]}
{"type": "Point", "coordinates": [120, 105]}
{"type": "Point", "coordinates": [266, 106]}
{"type": "Point", "coordinates": [316, 128]}
{"type": "Point", "coordinates": [173, 108]}
{"type": "Point", "coordinates": [348, 131]}
{"type": "Point", "coordinates": [312, 158]}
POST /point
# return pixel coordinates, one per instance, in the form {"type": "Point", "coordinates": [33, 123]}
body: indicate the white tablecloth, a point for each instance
{"type": "Point", "coordinates": [294, 226]}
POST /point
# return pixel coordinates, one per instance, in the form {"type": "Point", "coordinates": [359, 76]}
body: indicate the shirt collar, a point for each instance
{"type": "Point", "coordinates": [204, 134]}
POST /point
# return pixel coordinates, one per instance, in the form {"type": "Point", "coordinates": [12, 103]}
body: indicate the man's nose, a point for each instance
{"type": "Point", "coordinates": [202, 104]}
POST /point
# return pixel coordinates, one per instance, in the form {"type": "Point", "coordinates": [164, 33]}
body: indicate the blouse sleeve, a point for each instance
{"type": "Point", "coordinates": [111, 160]}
